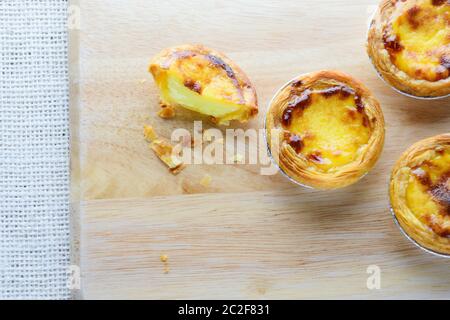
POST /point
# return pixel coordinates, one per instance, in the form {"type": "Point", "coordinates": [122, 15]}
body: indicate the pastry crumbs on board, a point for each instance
{"type": "Point", "coordinates": [149, 133]}
{"type": "Point", "coordinates": [164, 150]}
{"type": "Point", "coordinates": [166, 112]}
{"type": "Point", "coordinates": [206, 180]}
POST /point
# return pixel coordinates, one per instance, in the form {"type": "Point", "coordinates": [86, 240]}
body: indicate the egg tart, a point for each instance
{"type": "Point", "coordinates": [205, 81]}
{"type": "Point", "coordinates": [409, 44]}
{"type": "Point", "coordinates": [325, 130]}
{"type": "Point", "coordinates": [420, 193]}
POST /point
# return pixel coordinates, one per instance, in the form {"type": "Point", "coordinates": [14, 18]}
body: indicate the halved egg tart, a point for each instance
{"type": "Point", "coordinates": [420, 193]}
{"type": "Point", "coordinates": [409, 44]}
{"type": "Point", "coordinates": [205, 81]}
{"type": "Point", "coordinates": [325, 130]}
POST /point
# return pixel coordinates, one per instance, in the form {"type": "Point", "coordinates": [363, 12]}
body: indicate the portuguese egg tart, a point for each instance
{"type": "Point", "coordinates": [205, 81]}
{"type": "Point", "coordinates": [409, 45]}
{"type": "Point", "coordinates": [420, 193]}
{"type": "Point", "coordinates": [328, 130]}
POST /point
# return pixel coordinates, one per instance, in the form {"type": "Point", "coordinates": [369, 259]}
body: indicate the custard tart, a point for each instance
{"type": "Point", "coordinates": [420, 193]}
{"type": "Point", "coordinates": [409, 45]}
{"type": "Point", "coordinates": [324, 130]}
{"type": "Point", "coordinates": [205, 81]}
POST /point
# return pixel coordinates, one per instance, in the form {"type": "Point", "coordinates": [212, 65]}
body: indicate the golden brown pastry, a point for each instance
{"type": "Point", "coordinates": [409, 44]}
{"type": "Point", "coordinates": [205, 81]}
{"type": "Point", "coordinates": [164, 150]}
{"type": "Point", "coordinates": [330, 129]}
{"type": "Point", "coordinates": [420, 193]}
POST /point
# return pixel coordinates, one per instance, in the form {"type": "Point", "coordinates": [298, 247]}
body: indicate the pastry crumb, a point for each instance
{"type": "Point", "coordinates": [177, 169]}
{"type": "Point", "coordinates": [166, 112]}
{"type": "Point", "coordinates": [165, 259]}
{"type": "Point", "coordinates": [149, 133]}
{"type": "Point", "coordinates": [142, 81]}
{"type": "Point", "coordinates": [206, 180]}
{"type": "Point", "coordinates": [164, 151]}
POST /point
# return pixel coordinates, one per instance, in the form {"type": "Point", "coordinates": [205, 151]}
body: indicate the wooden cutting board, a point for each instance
{"type": "Point", "coordinates": [246, 235]}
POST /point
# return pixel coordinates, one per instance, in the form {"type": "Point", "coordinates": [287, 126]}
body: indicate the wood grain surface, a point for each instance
{"type": "Point", "coordinates": [246, 235]}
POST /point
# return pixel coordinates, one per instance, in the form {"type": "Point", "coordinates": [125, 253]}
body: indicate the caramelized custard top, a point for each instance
{"type": "Point", "coordinates": [207, 74]}
{"type": "Point", "coordinates": [327, 125]}
{"type": "Point", "coordinates": [428, 193]}
{"type": "Point", "coordinates": [418, 40]}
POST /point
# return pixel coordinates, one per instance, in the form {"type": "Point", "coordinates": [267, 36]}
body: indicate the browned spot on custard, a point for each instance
{"type": "Point", "coordinates": [422, 176]}
{"type": "Point", "coordinates": [439, 191]}
{"type": "Point", "coordinates": [343, 91]}
{"type": "Point", "coordinates": [297, 104]}
{"type": "Point", "coordinates": [437, 226]}
{"type": "Point", "coordinates": [330, 91]}
{"type": "Point", "coordinates": [418, 73]}
{"type": "Point", "coordinates": [441, 73]}
{"type": "Point", "coordinates": [445, 61]}
{"type": "Point", "coordinates": [316, 156]}
{"type": "Point", "coordinates": [359, 104]}
{"type": "Point", "coordinates": [444, 67]}
{"type": "Point", "coordinates": [297, 83]}
{"type": "Point", "coordinates": [412, 17]}
{"type": "Point", "coordinates": [365, 122]}
{"type": "Point", "coordinates": [193, 85]}
{"type": "Point", "coordinates": [392, 43]}
{"type": "Point", "coordinates": [352, 114]}
{"type": "Point", "coordinates": [253, 112]}
{"type": "Point", "coordinates": [294, 141]}
{"type": "Point", "coordinates": [218, 62]}
{"type": "Point", "coordinates": [439, 2]}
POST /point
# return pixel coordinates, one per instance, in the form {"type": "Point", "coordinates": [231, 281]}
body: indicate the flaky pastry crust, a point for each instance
{"type": "Point", "coordinates": [300, 167]}
{"type": "Point", "coordinates": [383, 44]}
{"type": "Point", "coordinates": [424, 231]}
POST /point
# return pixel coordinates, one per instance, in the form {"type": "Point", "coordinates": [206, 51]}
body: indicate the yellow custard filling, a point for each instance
{"type": "Point", "coordinates": [329, 129]}
{"type": "Point", "coordinates": [419, 42]}
{"type": "Point", "coordinates": [204, 83]}
{"type": "Point", "coordinates": [173, 91]}
{"type": "Point", "coordinates": [428, 193]}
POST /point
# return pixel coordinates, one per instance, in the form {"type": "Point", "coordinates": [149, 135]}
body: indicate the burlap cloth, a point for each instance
{"type": "Point", "coordinates": [34, 149]}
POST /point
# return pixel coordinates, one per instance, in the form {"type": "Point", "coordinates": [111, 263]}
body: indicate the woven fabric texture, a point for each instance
{"type": "Point", "coordinates": [34, 150]}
